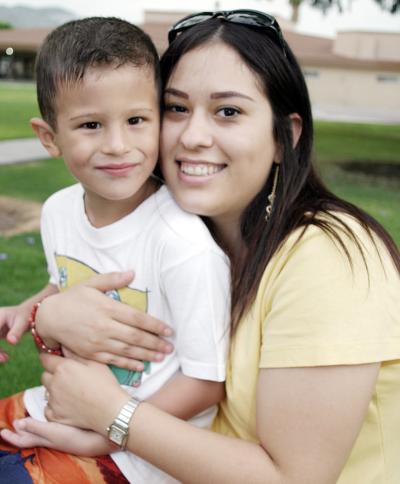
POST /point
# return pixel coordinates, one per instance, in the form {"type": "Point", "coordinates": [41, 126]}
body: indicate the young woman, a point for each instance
{"type": "Point", "coordinates": [314, 373]}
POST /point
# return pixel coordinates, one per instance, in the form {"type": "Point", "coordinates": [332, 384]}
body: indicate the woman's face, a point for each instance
{"type": "Point", "coordinates": [217, 145]}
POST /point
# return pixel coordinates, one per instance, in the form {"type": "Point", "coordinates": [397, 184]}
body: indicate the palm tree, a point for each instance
{"type": "Point", "coordinates": [392, 6]}
{"type": "Point", "coordinates": [295, 4]}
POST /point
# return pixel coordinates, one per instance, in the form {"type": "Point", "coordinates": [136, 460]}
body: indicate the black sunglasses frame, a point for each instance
{"type": "Point", "coordinates": [249, 18]}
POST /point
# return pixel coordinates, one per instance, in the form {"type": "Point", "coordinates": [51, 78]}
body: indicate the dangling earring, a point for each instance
{"type": "Point", "coordinates": [271, 196]}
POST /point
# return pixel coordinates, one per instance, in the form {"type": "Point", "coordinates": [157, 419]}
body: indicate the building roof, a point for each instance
{"type": "Point", "coordinates": [24, 40]}
{"type": "Point", "coordinates": [310, 50]}
{"type": "Point", "coordinates": [319, 51]}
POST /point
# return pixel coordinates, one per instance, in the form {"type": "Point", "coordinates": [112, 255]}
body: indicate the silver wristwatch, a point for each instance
{"type": "Point", "coordinates": [118, 431]}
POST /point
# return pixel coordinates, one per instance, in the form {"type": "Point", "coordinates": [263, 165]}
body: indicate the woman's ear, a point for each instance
{"type": "Point", "coordinates": [46, 135]}
{"type": "Point", "coordinates": [297, 126]}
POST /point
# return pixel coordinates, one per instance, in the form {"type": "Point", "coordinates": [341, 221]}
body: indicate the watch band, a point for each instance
{"type": "Point", "coordinates": [118, 431]}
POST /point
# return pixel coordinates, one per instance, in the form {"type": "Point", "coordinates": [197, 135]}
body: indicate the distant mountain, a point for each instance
{"type": "Point", "coordinates": [27, 17]}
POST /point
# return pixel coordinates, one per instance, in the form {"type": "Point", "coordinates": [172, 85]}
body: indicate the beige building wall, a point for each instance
{"type": "Point", "coordinates": [353, 88]}
{"type": "Point", "coordinates": [384, 46]}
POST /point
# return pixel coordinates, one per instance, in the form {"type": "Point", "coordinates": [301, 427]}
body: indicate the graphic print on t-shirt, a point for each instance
{"type": "Point", "coordinates": [72, 271]}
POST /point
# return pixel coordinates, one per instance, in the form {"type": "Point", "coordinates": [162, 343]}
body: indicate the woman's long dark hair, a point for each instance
{"type": "Point", "coordinates": [301, 196]}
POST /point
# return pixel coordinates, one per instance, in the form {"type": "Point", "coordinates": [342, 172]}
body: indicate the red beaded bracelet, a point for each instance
{"type": "Point", "coordinates": [38, 340]}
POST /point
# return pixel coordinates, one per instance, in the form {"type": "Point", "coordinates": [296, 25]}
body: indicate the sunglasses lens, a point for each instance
{"type": "Point", "coordinates": [256, 20]}
{"type": "Point", "coordinates": [186, 23]}
{"type": "Point", "coordinates": [251, 18]}
{"type": "Point", "coordinates": [189, 22]}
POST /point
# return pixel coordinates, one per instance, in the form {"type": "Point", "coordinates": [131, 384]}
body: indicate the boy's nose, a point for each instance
{"type": "Point", "coordinates": [115, 143]}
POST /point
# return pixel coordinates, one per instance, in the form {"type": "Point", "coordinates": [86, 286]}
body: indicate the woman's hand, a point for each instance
{"type": "Point", "coordinates": [99, 328]}
{"type": "Point", "coordinates": [82, 393]}
{"type": "Point", "coordinates": [29, 433]}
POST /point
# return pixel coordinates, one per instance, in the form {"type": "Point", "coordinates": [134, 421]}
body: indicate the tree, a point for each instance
{"type": "Point", "coordinates": [392, 6]}
{"type": "Point", "coordinates": [5, 25]}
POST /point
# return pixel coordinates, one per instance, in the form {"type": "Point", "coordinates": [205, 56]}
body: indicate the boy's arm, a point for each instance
{"type": "Point", "coordinates": [197, 288]}
{"type": "Point", "coordinates": [184, 397]}
{"type": "Point", "coordinates": [14, 319]}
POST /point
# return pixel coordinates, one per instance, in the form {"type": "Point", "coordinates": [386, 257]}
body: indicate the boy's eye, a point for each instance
{"type": "Point", "coordinates": [91, 125]}
{"type": "Point", "coordinates": [135, 120]}
{"type": "Point", "coordinates": [228, 112]}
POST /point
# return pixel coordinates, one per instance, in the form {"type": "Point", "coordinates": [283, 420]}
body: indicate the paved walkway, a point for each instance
{"type": "Point", "coordinates": [355, 114]}
{"type": "Point", "coordinates": [21, 150]}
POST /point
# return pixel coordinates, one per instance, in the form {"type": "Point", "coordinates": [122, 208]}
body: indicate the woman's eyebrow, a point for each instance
{"type": "Point", "coordinates": [214, 95]}
{"type": "Point", "coordinates": [176, 92]}
{"type": "Point", "coordinates": [225, 94]}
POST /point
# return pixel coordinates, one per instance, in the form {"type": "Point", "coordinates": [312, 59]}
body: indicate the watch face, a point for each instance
{"type": "Point", "coordinates": [116, 435]}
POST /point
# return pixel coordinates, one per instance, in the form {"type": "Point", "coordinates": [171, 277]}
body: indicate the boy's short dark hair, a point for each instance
{"type": "Point", "coordinates": [69, 50]}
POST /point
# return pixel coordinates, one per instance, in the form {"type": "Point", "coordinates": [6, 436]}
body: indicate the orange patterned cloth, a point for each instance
{"type": "Point", "coordinates": [48, 466]}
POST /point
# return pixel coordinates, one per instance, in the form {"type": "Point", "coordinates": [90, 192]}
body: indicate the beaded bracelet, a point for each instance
{"type": "Point", "coordinates": [41, 345]}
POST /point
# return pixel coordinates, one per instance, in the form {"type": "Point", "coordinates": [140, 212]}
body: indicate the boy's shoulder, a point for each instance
{"type": "Point", "coordinates": [63, 199]}
{"type": "Point", "coordinates": [176, 224]}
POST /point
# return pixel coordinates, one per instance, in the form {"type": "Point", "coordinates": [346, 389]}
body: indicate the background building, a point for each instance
{"type": "Point", "coordinates": [357, 71]}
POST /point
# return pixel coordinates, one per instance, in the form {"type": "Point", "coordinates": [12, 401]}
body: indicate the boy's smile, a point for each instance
{"type": "Point", "coordinates": [108, 132]}
{"type": "Point", "coordinates": [117, 169]}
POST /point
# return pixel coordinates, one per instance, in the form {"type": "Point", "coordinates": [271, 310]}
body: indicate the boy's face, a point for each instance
{"type": "Point", "coordinates": [108, 134]}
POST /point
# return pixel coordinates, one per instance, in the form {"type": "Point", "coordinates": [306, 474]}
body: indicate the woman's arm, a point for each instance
{"type": "Point", "coordinates": [183, 397]}
{"type": "Point", "coordinates": [307, 421]}
{"type": "Point", "coordinates": [97, 327]}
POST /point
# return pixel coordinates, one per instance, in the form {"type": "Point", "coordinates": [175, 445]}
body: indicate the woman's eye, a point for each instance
{"type": "Point", "coordinates": [175, 108]}
{"type": "Point", "coordinates": [135, 120]}
{"type": "Point", "coordinates": [228, 112]}
{"type": "Point", "coordinates": [91, 125]}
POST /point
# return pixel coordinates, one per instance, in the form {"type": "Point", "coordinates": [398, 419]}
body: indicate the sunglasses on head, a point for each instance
{"type": "Point", "coordinates": [250, 18]}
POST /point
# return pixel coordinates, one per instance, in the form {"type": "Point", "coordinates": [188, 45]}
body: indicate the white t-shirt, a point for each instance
{"type": "Point", "coordinates": [181, 277]}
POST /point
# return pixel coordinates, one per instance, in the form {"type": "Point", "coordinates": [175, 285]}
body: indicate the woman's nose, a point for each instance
{"type": "Point", "coordinates": [197, 132]}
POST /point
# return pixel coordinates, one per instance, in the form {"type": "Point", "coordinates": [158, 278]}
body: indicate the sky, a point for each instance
{"type": "Point", "coordinates": [356, 15]}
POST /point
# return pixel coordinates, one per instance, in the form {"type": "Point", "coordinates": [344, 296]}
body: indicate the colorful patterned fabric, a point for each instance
{"type": "Point", "coordinates": [48, 466]}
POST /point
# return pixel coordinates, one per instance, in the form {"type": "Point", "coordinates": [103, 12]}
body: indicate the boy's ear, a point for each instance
{"type": "Point", "coordinates": [46, 135]}
{"type": "Point", "coordinates": [297, 126]}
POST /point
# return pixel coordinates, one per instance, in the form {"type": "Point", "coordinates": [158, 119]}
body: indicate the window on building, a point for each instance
{"type": "Point", "coordinates": [311, 73]}
{"type": "Point", "coordinates": [392, 78]}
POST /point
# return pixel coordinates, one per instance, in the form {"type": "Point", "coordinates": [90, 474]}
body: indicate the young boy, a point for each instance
{"type": "Point", "coordinates": [98, 92]}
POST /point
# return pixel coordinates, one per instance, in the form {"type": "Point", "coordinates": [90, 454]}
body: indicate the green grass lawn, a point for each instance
{"type": "Point", "coordinates": [23, 273]}
{"type": "Point", "coordinates": [372, 146]}
{"type": "Point", "coordinates": [23, 269]}
{"type": "Point", "coordinates": [34, 181]}
{"type": "Point", "coordinates": [377, 196]}
{"type": "Point", "coordinates": [357, 142]}
{"type": "Point", "coordinates": [18, 106]}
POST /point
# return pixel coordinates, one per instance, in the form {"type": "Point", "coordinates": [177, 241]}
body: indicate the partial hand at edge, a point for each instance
{"type": "Point", "coordinates": [29, 433]}
{"type": "Point", "coordinates": [13, 324]}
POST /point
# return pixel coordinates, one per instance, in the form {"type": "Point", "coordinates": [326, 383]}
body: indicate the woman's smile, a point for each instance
{"type": "Point", "coordinates": [199, 168]}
